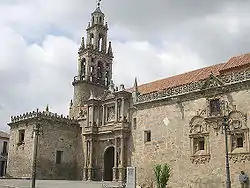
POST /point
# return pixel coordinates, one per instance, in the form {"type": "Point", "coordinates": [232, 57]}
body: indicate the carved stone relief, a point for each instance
{"type": "Point", "coordinates": [199, 140]}
{"type": "Point", "coordinates": [110, 113]}
{"type": "Point", "coordinates": [82, 114]}
{"type": "Point", "coordinates": [237, 120]}
{"type": "Point", "coordinates": [200, 159]}
{"type": "Point", "coordinates": [215, 82]}
{"type": "Point", "coordinates": [239, 157]}
{"type": "Point", "coordinates": [198, 125]}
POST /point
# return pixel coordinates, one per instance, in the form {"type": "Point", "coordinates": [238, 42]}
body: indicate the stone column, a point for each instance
{"type": "Point", "coordinates": [192, 146]}
{"type": "Point", "coordinates": [116, 111]}
{"type": "Point", "coordinates": [87, 68]}
{"type": "Point", "coordinates": [87, 115]}
{"type": "Point", "coordinates": [207, 145]}
{"type": "Point", "coordinates": [93, 115]}
{"type": "Point", "coordinates": [85, 169]}
{"type": "Point", "coordinates": [103, 114]}
{"type": "Point", "coordinates": [246, 141]}
{"type": "Point", "coordinates": [121, 167]}
{"type": "Point", "coordinates": [122, 109]}
{"type": "Point", "coordinates": [115, 162]}
{"type": "Point", "coordinates": [90, 167]}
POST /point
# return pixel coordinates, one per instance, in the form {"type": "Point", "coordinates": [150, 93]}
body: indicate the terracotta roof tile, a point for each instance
{"type": "Point", "coordinates": [196, 75]}
{"type": "Point", "coordinates": [237, 61]}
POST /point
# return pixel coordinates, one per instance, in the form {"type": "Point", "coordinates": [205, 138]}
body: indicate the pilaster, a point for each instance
{"type": "Point", "coordinates": [115, 162]}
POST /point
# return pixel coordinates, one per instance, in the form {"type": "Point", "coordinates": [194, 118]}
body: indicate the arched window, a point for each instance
{"type": "Point", "coordinates": [100, 42]}
{"type": "Point", "coordinates": [93, 20]}
{"type": "Point", "coordinates": [92, 69]}
{"type": "Point", "coordinates": [107, 78]}
{"type": "Point", "coordinates": [106, 81]}
{"type": "Point", "coordinates": [99, 69]}
{"type": "Point", "coordinates": [92, 38]}
{"type": "Point", "coordinates": [83, 67]}
{"type": "Point", "coordinates": [100, 19]}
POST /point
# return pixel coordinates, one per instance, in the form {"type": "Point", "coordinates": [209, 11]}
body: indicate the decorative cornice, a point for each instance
{"type": "Point", "coordinates": [173, 92]}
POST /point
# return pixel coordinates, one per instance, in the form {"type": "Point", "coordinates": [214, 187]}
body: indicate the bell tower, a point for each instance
{"type": "Point", "coordinates": [94, 62]}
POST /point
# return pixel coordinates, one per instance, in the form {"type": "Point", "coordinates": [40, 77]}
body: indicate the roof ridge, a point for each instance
{"type": "Point", "coordinates": [234, 63]}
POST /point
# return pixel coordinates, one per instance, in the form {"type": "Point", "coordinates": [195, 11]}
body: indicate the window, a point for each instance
{"type": "Point", "coordinates": [92, 39]}
{"type": "Point", "coordinates": [239, 142]}
{"type": "Point", "coordinates": [199, 144]}
{"type": "Point", "coordinates": [134, 123]}
{"type": "Point", "coordinates": [147, 136]}
{"type": "Point", "coordinates": [4, 147]}
{"type": "Point", "coordinates": [83, 67]}
{"type": "Point", "coordinates": [214, 107]}
{"type": "Point", "coordinates": [99, 69]}
{"type": "Point", "coordinates": [59, 157]}
{"type": "Point", "coordinates": [21, 136]}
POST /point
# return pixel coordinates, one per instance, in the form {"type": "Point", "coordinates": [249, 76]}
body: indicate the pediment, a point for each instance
{"type": "Point", "coordinates": [212, 82]}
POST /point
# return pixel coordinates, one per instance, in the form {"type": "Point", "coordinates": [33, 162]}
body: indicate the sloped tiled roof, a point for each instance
{"type": "Point", "coordinates": [194, 76]}
{"type": "Point", "coordinates": [237, 61]}
{"type": "Point", "coordinates": [4, 135]}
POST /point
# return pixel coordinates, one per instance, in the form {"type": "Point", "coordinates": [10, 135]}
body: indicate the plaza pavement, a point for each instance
{"type": "Point", "coordinates": [7, 183]}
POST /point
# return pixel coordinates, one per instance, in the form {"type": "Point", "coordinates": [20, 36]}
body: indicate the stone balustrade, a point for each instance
{"type": "Point", "coordinates": [228, 79]}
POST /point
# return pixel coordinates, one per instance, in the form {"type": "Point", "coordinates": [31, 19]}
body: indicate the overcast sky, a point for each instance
{"type": "Point", "coordinates": [39, 40]}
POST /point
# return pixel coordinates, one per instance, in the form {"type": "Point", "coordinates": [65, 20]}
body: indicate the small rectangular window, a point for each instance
{"type": "Point", "coordinates": [147, 136]}
{"type": "Point", "coordinates": [198, 144]}
{"type": "Point", "coordinates": [215, 107]}
{"type": "Point", "coordinates": [4, 147]}
{"type": "Point", "coordinates": [59, 157]}
{"type": "Point", "coordinates": [239, 142]}
{"type": "Point", "coordinates": [201, 145]}
{"type": "Point", "coordinates": [134, 123]}
{"type": "Point", "coordinates": [21, 135]}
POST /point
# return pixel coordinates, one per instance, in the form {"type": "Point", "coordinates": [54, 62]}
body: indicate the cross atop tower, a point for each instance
{"type": "Point", "coordinates": [98, 3]}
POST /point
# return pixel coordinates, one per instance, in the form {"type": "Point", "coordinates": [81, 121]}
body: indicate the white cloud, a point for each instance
{"type": "Point", "coordinates": [39, 42]}
{"type": "Point", "coordinates": [33, 76]}
{"type": "Point", "coordinates": [145, 61]}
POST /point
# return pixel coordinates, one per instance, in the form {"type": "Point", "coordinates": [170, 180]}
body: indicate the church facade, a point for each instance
{"type": "Point", "coordinates": [178, 120]}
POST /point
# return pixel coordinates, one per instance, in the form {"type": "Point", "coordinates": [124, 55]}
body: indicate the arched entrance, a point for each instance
{"type": "Point", "coordinates": [108, 164]}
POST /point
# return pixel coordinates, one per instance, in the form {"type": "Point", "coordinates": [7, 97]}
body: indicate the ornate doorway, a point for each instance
{"type": "Point", "coordinates": [108, 164]}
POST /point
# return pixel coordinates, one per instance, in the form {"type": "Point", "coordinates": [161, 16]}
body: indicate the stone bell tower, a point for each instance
{"type": "Point", "coordinates": [94, 63]}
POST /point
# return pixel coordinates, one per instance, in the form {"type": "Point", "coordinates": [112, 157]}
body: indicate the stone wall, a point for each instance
{"type": "Point", "coordinates": [20, 155]}
{"type": "Point", "coordinates": [57, 134]}
{"type": "Point", "coordinates": [169, 124]}
{"type": "Point", "coordinates": [82, 91]}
